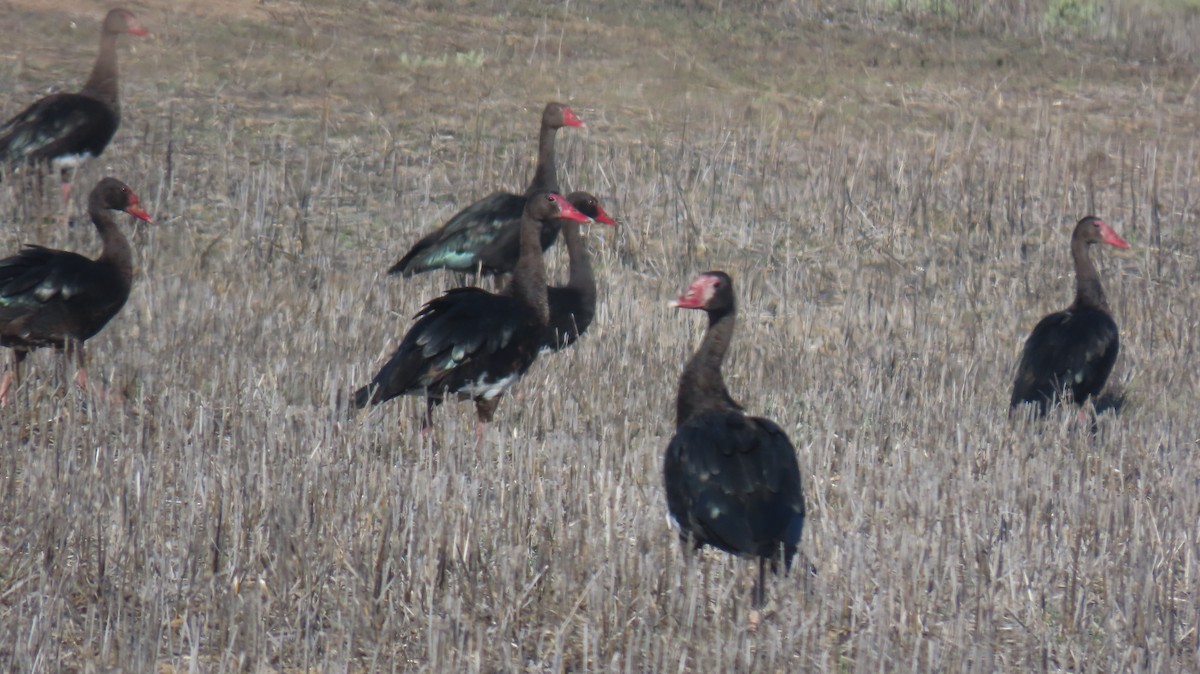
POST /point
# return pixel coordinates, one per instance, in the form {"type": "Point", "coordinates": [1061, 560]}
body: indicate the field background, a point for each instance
{"type": "Point", "coordinates": [892, 185]}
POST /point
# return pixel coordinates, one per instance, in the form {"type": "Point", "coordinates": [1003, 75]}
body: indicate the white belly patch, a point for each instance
{"type": "Point", "coordinates": [487, 388]}
{"type": "Point", "coordinates": [71, 160]}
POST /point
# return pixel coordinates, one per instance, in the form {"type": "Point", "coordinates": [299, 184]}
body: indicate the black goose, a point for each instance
{"type": "Point", "coordinates": [61, 299]}
{"type": "Point", "coordinates": [732, 481]}
{"type": "Point", "coordinates": [471, 342]}
{"type": "Point", "coordinates": [485, 236]}
{"type": "Point", "coordinates": [1072, 351]}
{"type": "Point", "coordinates": [63, 130]}
{"type": "Point", "coordinates": [573, 306]}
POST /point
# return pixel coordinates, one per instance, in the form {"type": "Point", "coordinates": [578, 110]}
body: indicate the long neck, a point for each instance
{"type": "Point", "coordinates": [102, 84]}
{"type": "Point", "coordinates": [701, 387]}
{"type": "Point", "coordinates": [1088, 291]}
{"type": "Point", "coordinates": [580, 276]}
{"type": "Point", "coordinates": [528, 282]}
{"type": "Point", "coordinates": [545, 174]}
{"type": "Point", "coordinates": [116, 250]}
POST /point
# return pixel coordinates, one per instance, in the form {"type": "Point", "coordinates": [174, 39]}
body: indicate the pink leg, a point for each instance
{"type": "Point", "coordinates": [5, 387]}
{"type": "Point", "coordinates": [81, 375]}
{"type": "Point", "coordinates": [485, 411]}
{"type": "Point", "coordinates": [75, 349]}
{"type": "Point", "coordinates": [12, 377]}
{"type": "Point", "coordinates": [427, 420]}
{"type": "Point", "coordinates": [66, 200]}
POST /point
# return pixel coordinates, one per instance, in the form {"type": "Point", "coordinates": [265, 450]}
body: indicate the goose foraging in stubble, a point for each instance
{"type": "Point", "coordinates": [1074, 350]}
{"type": "Point", "coordinates": [732, 481]}
{"type": "Point", "coordinates": [485, 236]}
{"type": "Point", "coordinates": [63, 130]}
{"type": "Point", "coordinates": [61, 299]}
{"type": "Point", "coordinates": [473, 343]}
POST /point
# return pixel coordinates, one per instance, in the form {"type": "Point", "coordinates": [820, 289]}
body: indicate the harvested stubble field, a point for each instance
{"type": "Point", "coordinates": [892, 190]}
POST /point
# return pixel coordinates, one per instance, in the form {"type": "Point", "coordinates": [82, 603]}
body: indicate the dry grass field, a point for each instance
{"type": "Point", "coordinates": [892, 186]}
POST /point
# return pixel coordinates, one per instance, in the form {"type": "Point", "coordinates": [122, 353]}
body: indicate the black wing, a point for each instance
{"type": "Point", "coordinates": [58, 125]}
{"type": "Point", "coordinates": [569, 317]}
{"type": "Point", "coordinates": [1075, 349]}
{"type": "Point", "coordinates": [500, 255]}
{"type": "Point", "coordinates": [38, 275]}
{"type": "Point", "coordinates": [467, 341]}
{"type": "Point", "coordinates": [455, 244]}
{"type": "Point", "coordinates": [733, 482]}
{"type": "Point", "coordinates": [47, 296]}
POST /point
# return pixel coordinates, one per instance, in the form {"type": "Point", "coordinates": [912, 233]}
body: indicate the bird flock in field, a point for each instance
{"type": "Point", "coordinates": [732, 481]}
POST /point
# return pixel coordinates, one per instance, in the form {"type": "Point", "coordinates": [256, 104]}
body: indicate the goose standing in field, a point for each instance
{"type": "Point", "coordinates": [1073, 350]}
{"type": "Point", "coordinates": [61, 299]}
{"type": "Point", "coordinates": [485, 236]}
{"type": "Point", "coordinates": [732, 481]}
{"type": "Point", "coordinates": [471, 342]}
{"type": "Point", "coordinates": [573, 306]}
{"type": "Point", "coordinates": [64, 130]}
